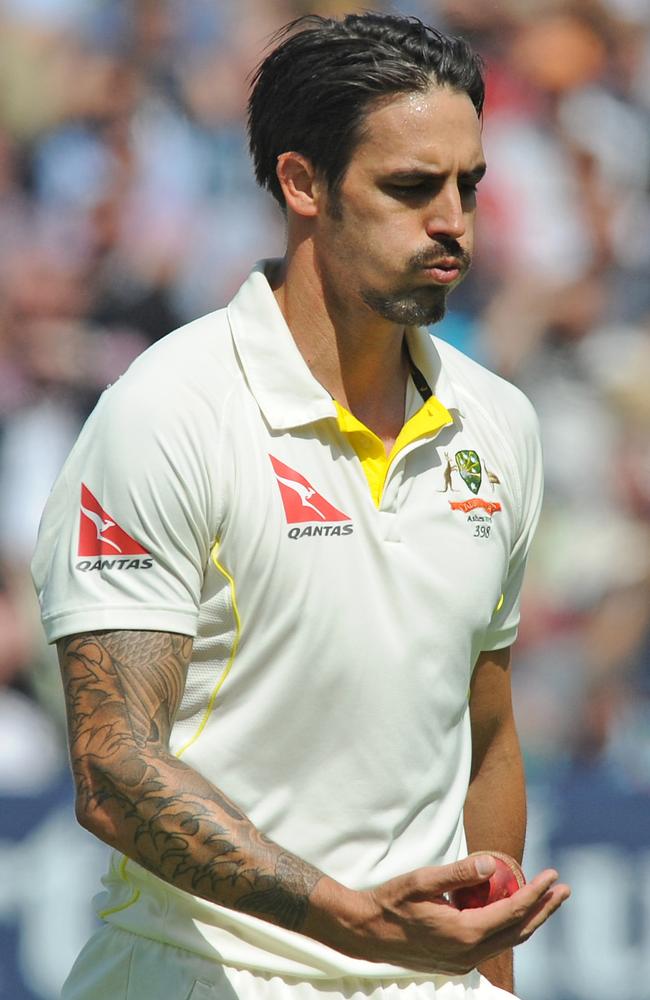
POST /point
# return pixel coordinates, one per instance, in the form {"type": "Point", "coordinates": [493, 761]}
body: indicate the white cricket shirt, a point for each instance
{"type": "Point", "coordinates": [338, 600]}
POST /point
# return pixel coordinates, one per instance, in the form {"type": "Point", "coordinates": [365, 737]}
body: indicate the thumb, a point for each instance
{"type": "Point", "coordinates": [466, 871]}
{"type": "Point", "coordinates": [434, 881]}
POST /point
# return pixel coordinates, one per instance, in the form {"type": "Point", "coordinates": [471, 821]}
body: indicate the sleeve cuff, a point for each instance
{"type": "Point", "coordinates": [66, 623]}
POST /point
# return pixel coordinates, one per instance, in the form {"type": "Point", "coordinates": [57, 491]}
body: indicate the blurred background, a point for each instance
{"type": "Point", "coordinates": [128, 206]}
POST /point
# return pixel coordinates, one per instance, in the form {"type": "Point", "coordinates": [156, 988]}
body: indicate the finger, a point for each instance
{"type": "Point", "coordinates": [518, 934]}
{"type": "Point", "coordinates": [550, 903]}
{"type": "Point", "coordinates": [514, 910]}
{"type": "Point", "coordinates": [432, 882]}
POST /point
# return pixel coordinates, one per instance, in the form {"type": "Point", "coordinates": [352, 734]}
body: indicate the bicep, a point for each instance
{"type": "Point", "coordinates": [122, 687]}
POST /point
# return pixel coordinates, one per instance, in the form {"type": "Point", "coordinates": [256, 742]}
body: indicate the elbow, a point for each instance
{"type": "Point", "coordinates": [86, 815]}
{"type": "Point", "coordinates": [96, 808]}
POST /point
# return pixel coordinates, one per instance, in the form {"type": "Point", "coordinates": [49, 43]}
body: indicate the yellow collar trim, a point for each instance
{"type": "Point", "coordinates": [429, 419]}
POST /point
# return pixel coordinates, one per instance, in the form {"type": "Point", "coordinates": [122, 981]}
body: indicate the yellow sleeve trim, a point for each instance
{"type": "Point", "coordinates": [233, 652]}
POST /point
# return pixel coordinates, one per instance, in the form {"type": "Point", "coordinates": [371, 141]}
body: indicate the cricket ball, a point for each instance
{"type": "Point", "coordinates": [507, 878]}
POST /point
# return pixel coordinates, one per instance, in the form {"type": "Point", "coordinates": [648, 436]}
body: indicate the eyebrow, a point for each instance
{"type": "Point", "coordinates": [419, 174]}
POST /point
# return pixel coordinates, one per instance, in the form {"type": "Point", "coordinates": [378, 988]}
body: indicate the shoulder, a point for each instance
{"type": "Point", "coordinates": [487, 394]}
{"type": "Point", "coordinates": [181, 379]}
{"type": "Point", "coordinates": [166, 411]}
{"type": "Point", "coordinates": [196, 358]}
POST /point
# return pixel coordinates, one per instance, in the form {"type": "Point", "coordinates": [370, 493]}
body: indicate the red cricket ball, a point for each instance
{"type": "Point", "coordinates": [507, 878]}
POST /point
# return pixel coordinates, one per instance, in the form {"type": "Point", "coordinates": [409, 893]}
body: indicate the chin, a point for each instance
{"type": "Point", "coordinates": [409, 310]}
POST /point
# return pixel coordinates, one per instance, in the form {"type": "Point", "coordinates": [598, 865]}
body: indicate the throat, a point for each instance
{"type": "Point", "coordinates": [377, 397]}
{"type": "Point", "coordinates": [383, 422]}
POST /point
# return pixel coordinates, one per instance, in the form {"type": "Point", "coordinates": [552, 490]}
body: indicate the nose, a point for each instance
{"type": "Point", "coordinates": [445, 215]}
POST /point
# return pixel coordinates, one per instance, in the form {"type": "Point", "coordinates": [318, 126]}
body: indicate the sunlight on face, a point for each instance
{"type": "Point", "coordinates": [401, 233]}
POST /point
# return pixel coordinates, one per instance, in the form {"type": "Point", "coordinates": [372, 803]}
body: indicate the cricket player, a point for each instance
{"type": "Point", "coordinates": [284, 586]}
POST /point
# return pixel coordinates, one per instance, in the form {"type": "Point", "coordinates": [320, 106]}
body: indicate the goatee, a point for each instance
{"type": "Point", "coordinates": [420, 306]}
{"type": "Point", "coordinates": [417, 308]}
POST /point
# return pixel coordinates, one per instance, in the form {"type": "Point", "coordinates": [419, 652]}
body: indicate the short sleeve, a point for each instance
{"type": "Point", "coordinates": [503, 628]}
{"type": "Point", "coordinates": [129, 525]}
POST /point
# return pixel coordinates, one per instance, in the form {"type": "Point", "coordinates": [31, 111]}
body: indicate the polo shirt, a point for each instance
{"type": "Point", "coordinates": [338, 598]}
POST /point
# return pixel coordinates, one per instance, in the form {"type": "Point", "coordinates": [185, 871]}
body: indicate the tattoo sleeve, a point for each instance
{"type": "Point", "coordinates": [122, 691]}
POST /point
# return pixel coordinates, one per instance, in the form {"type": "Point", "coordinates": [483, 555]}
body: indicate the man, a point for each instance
{"type": "Point", "coordinates": [284, 645]}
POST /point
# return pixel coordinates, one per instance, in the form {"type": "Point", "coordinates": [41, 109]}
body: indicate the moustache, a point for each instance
{"type": "Point", "coordinates": [438, 252]}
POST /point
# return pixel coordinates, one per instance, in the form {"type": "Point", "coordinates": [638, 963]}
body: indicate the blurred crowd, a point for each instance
{"type": "Point", "coordinates": [128, 206]}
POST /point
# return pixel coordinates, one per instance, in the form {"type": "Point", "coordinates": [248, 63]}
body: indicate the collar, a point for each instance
{"type": "Point", "coordinates": [426, 358]}
{"type": "Point", "coordinates": [285, 390]}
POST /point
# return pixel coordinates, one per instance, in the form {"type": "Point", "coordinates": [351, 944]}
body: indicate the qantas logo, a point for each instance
{"type": "Point", "coordinates": [304, 505]}
{"type": "Point", "coordinates": [101, 535]}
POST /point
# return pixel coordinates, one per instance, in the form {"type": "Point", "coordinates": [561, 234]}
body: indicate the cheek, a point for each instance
{"type": "Point", "coordinates": [368, 242]}
{"type": "Point", "coordinates": [349, 241]}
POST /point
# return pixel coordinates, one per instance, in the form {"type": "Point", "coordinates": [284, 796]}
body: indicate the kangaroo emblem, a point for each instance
{"type": "Point", "coordinates": [304, 492]}
{"type": "Point", "coordinates": [449, 468]}
{"type": "Point", "coordinates": [100, 527]}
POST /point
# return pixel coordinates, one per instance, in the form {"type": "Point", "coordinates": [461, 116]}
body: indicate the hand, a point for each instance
{"type": "Point", "coordinates": [407, 921]}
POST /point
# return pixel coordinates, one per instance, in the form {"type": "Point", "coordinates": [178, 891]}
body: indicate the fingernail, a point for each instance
{"type": "Point", "coordinates": [485, 866]}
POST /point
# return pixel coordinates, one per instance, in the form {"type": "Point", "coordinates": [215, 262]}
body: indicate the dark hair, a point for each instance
{"type": "Point", "coordinates": [312, 92]}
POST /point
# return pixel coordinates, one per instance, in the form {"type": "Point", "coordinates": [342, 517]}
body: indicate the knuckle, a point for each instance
{"type": "Point", "coordinates": [397, 888]}
{"type": "Point", "coordinates": [472, 937]}
{"type": "Point", "coordinates": [421, 880]}
{"type": "Point", "coordinates": [415, 883]}
{"type": "Point", "coordinates": [469, 937]}
{"type": "Point", "coordinates": [460, 870]}
{"type": "Point", "coordinates": [519, 911]}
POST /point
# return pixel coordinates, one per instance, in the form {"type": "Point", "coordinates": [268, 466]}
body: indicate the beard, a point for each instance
{"type": "Point", "coordinates": [418, 306]}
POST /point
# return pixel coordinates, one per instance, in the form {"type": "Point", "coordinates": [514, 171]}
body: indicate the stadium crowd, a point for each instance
{"type": "Point", "coordinates": [128, 206]}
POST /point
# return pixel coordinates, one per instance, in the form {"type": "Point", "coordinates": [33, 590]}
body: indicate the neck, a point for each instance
{"type": "Point", "coordinates": [360, 358]}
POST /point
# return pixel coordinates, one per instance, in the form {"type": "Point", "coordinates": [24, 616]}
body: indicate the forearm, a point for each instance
{"type": "Point", "coordinates": [165, 816]}
{"type": "Point", "coordinates": [495, 819]}
{"type": "Point", "coordinates": [495, 807]}
{"type": "Point", "coordinates": [139, 798]}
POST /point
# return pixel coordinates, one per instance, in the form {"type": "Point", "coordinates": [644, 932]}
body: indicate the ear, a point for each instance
{"type": "Point", "coordinates": [299, 186]}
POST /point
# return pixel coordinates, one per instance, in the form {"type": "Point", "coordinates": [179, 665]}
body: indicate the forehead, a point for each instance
{"type": "Point", "coordinates": [436, 128]}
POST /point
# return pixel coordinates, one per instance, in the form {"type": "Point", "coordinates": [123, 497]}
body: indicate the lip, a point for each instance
{"type": "Point", "coordinates": [443, 273]}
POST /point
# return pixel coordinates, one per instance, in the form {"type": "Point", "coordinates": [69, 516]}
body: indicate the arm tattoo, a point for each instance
{"type": "Point", "coordinates": [122, 691]}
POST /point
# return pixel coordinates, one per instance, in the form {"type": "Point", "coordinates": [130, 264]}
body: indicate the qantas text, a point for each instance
{"type": "Point", "coordinates": [86, 565]}
{"type": "Point", "coordinates": [321, 529]}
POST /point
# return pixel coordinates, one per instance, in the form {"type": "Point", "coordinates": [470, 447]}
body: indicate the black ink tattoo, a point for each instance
{"type": "Point", "coordinates": [286, 896]}
{"type": "Point", "coordinates": [123, 690]}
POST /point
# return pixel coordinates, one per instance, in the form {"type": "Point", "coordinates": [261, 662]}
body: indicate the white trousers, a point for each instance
{"type": "Point", "coordinates": [117, 965]}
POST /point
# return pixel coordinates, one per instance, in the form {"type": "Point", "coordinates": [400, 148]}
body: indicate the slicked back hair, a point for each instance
{"type": "Point", "coordinates": [311, 94]}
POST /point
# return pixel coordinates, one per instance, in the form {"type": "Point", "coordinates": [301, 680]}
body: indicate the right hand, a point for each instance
{"type": "Point", "coordinates": [408, 922]}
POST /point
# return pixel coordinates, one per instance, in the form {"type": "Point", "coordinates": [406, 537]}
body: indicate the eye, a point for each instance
{"type": "Point", "coordinates": [415, 190]}
{"type": "Point", "coordinates": [469, 185]}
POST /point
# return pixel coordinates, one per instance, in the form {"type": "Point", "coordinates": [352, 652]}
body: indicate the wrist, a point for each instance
{"type": "Point", "coordinates": [337, 916]}
{"type": "Point", "coordinates": [499, 970]}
